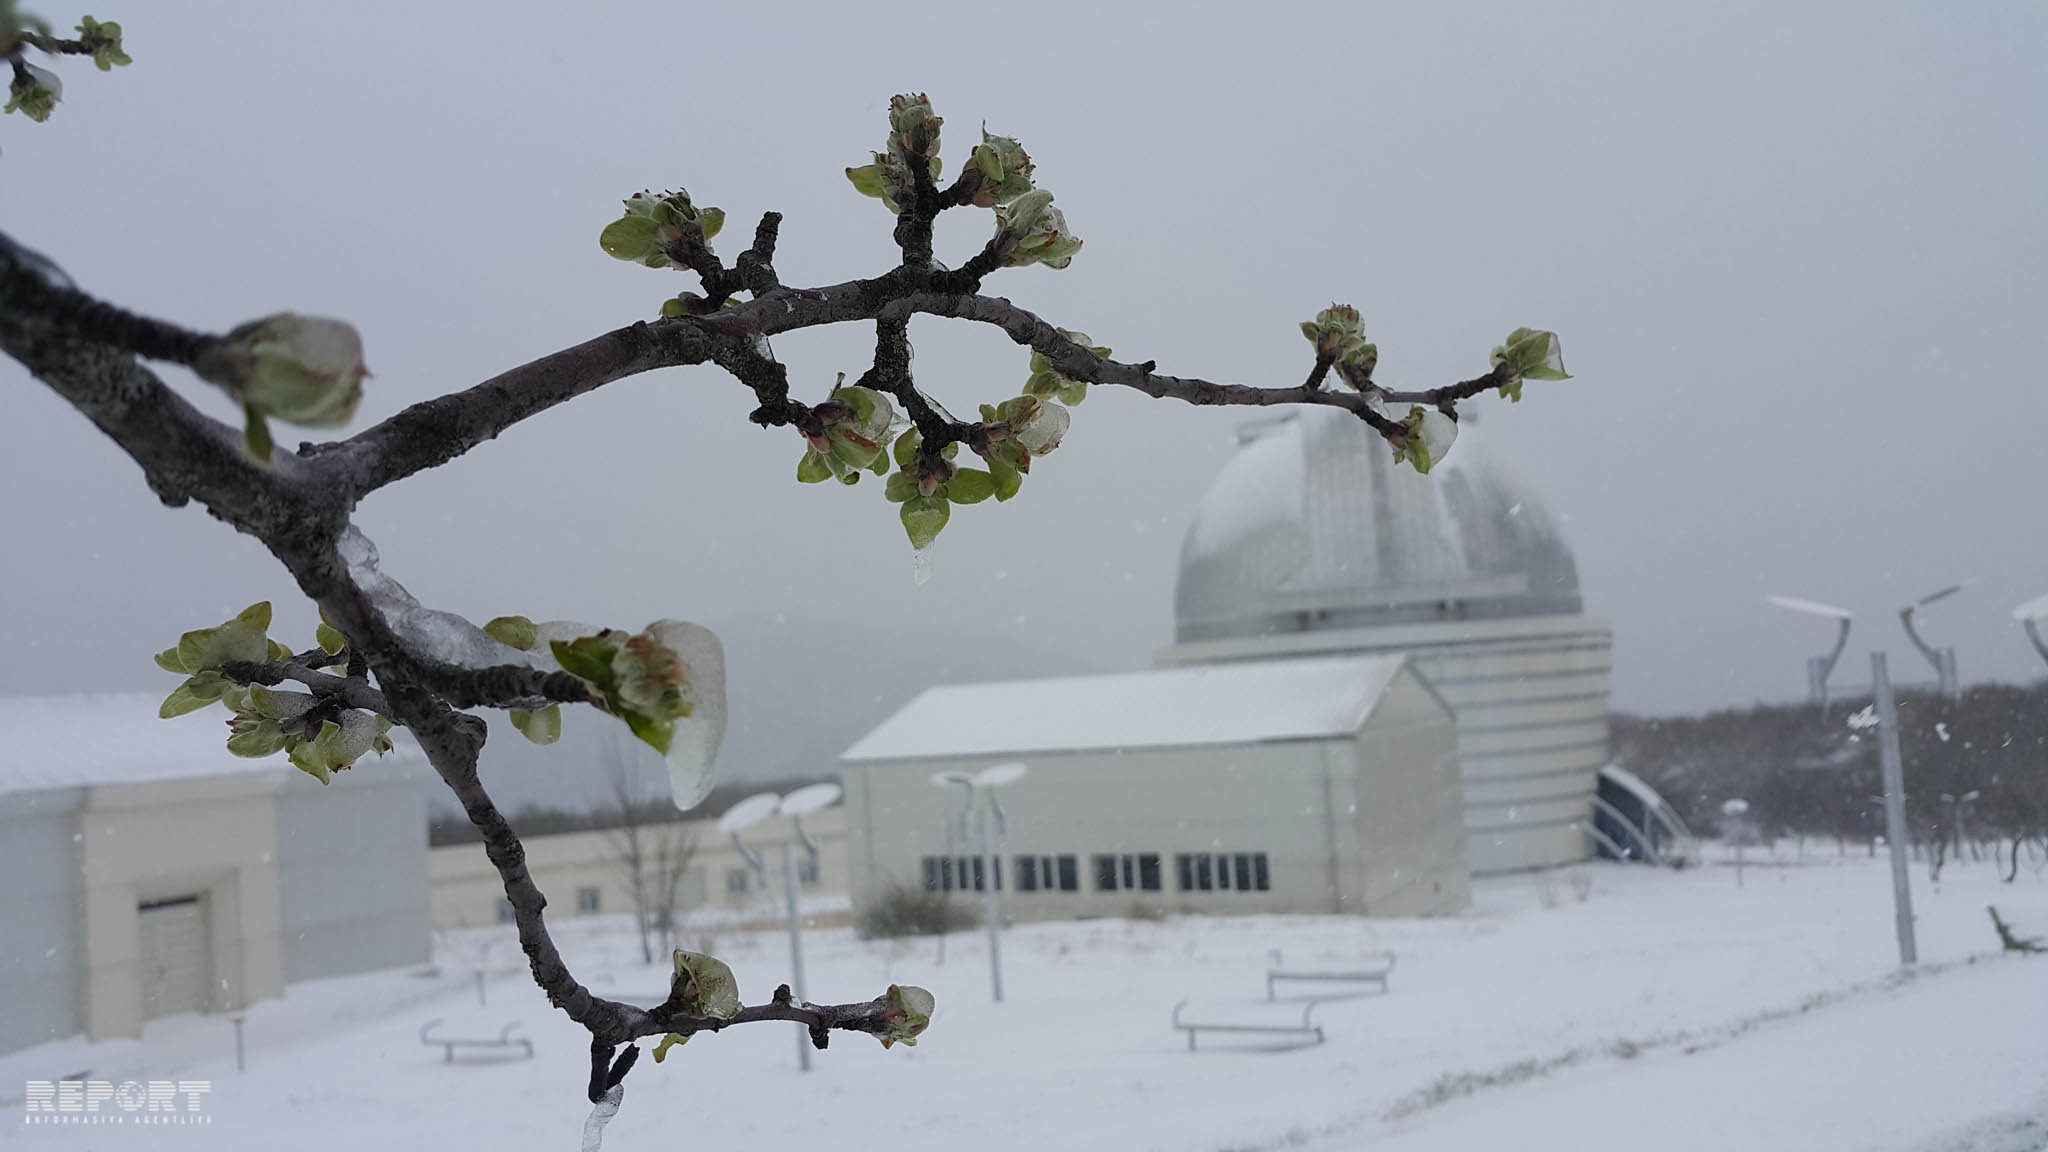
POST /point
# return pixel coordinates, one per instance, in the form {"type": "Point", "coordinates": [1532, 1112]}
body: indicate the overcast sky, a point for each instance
{"type": "Point", "coordinates": [1796, 256]}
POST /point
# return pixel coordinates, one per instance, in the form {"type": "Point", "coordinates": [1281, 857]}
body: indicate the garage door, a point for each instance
{"type": "Point", "coordinates": [173, 955]}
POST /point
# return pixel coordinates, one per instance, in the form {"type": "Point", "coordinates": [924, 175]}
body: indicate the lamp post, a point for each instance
{"type": "Point", "coordinates": [2030, 616]}
{"type": "Point", "coordinates": [989, 824]}
{"type": "Point", "coordinates": [1943, 659]}
{"type": "Point", "coordinates": [1736, 811]}
{"type": "Point", "coordinates": [1818, 667]}
{"type": "Point", "coordinates": [1894, 805]}
{"type": "Point", "coordinates": [795, 805]}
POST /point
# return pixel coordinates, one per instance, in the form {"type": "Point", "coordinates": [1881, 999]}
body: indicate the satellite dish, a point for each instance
{"type": "Point", "coordinates": [2034, 609]}
{"type": "Point", "coordinates": [950, 779]}
{"type": "Point", "coordinates": [1734, 807]}
{"type": "Point", "coordinates": [998, 775]}
{"type": "Point", "coordinates": [1811, 607]}
{"type": "Point", "coordinates": [810, 798]}
{"type": "Point", "coordinates": [748, 812]}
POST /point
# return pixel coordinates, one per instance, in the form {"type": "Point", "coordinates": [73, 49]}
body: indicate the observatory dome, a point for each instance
{"type": "Point", "coordinates": [1314, 526]}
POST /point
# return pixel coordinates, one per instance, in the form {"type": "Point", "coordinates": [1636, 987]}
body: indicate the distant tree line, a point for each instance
{"type": "Point", "coordinates": [1808, 773]}
{"type": "Point", "coordinates": [446, 827]}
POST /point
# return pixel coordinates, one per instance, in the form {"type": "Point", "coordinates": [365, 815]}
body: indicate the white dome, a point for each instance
{"type": "Point", "coordinates": [1313, 526]}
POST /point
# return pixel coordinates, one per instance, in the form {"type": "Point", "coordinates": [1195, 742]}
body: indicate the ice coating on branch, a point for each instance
{"type": "Point", "coordinates": [693, 750]}
{"type": "Point", "coordinates": [427, 633]}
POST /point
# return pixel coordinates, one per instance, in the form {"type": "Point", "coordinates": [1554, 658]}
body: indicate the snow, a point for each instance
{"type": "Point", "coordinates": [1665, 1010]}
{"type": "Point", "coordinates": [116, 738]}
{"type": "Point", "coordinates": [1237, 703]}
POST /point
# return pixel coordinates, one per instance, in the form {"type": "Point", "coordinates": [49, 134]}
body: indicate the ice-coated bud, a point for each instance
{"type": "Point", "coordinates": [857, 422]}
{"type": "Point", "coordinates": [1338, 332]}
{"type": "Point", "coordinates": [1005, 170]}
{"type": "Point", "coordinates": [667, 684]}
{"type": "Point", "coordinates": [34, 92]}
{"type": "Point", "coordinates": [924, 516]}
{"type": "Point", "coordinates": [908, 1012]}
{"type": "Point", "coordinates": [1035, 231]}
{"type": "Point", "coordinates": [1425, 439]}
{"type": "Point", "coordinates": [338, 746]}
{"type": "Point", "coordinates": [1529, 354]}
{"type": "Point", "coordinates": [305, 370]}
{"type": "Point", "coordinates": [913, 127]}
{"type": "Point", "coordinates": [1037, 425]}
{"type": "Point", "coordinates": [704, 987]}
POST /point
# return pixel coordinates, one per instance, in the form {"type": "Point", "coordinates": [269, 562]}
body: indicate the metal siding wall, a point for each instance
{"type": "Point", "coordinates": [352, 872]}
{"type": "Point", "coordinates": [40, 957]}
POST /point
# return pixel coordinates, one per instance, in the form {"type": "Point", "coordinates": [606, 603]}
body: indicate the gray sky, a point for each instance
{"type": "Point", "coordinates": [1796, 257]}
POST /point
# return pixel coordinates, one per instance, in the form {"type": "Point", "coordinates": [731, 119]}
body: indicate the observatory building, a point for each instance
{"type": "Point", "coordinates": [1381, 684]}
{"type": "Point", "coordinates": [1314, 542]}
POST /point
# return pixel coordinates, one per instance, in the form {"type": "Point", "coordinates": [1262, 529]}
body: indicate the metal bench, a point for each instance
{"type": "Point", "coordinates": [505, 1043]}
{"type": "Point", "coordinates": [1219, 1019]}
{"type": "Point", "coordinates": [1368, 973]}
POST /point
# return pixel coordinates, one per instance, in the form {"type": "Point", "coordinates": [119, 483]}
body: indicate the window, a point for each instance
{"type": "Point", "coordinates": [965, 873]}
{"type": "Point", "coordinates": [735, 881]}
{"type": "Point", "coordinates": [587, 900]}
{"type": "Point", "coordinates": [1129, 872]}
{"type": "Point", "coordinates": [1048, 873]}
{"type": "Point", "coordinates": [1223, 872]}
{"type": "Point", "coordinates": [807, 871]}
{"type": "Point", "coordinates": [505, 913]}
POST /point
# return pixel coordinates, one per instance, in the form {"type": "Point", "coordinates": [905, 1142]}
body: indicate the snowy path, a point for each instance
{"type": "Point", "coordinates": [1952, 1062]}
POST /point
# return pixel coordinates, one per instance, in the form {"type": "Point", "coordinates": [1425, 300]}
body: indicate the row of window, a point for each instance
{"type": "Point", "coordinates": [1113, 872]}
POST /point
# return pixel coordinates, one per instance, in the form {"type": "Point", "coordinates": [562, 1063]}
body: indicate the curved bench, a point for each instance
{"type": "Point", "coordinates": [1369, 972]}
{"type": "Point", "coordinates": [505, 1043]}
{"type": "Point", "coordinates": [1254, 1018]}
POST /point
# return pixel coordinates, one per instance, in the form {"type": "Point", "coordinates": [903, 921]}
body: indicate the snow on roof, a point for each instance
{"type": "Point", "coordinates": [116, 738]}
{"type": "Point", "coordinates": [1237, 703]}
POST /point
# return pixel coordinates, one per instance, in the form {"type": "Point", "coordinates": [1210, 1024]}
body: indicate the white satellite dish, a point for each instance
{"type": "Point", "coordinates": [748, 812]}
{"type": "Point", "coordinates": [997, 775]}
{"type": "Point", "coordinates": [1734, 807]}
{"type": "Point", "coordinates": [2035, 609]}
{"type": "Point", "coordinates": [809, 799]}
{"type": "Point", "coordinates": [1811, 607]}
{"type": "Point", "coordinates": [950, 779]}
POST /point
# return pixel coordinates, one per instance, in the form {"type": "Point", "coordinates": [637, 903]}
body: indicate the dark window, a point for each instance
{"type": "Point", "coordinates": [1070, 868]}
{"type": "Point", "coordinates": [1185, 865]}
{"type": "Point", "coordinates": [1027, 873]}
{"type": "Point", "coordinates": [807, 872]}
{"type": "Point", "coordinates": [735, 881]}
{"type": "Point", "coordinates": [931, 874]}
{"type": "Point", "coordinates": [1221, 872]}
{"type": "Point", "coordinates": [1105, 873]}
{"type": "Point", "coordinates": [1148, 871]}
{"type": "Point", "coordinates": [1260, 880]}
{"type": "Point", "coordinates": [1130, 872]}
{"type": "Point", "coordinates": [587, 900]}
{"type": "Point", "coordinates": [1244, 872]}
{"type": "Point", "coordinates": [1205, 879]}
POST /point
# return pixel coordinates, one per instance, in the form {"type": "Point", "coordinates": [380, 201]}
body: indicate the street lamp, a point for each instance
{"type": "Point", "coordinates": [989, 824]}
{"type": "Point", "coordinates": [795, 805]}
{"type": "Point", "coordinates": [1736, 812]}
{"type": "Point", "coordinates": [1943, 659]}
{"type": "Point", "coordinates": [2030, 616]}
{"type": "Point", "coordinates": [1818, 667]}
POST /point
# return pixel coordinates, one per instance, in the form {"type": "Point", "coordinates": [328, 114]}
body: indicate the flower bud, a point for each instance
{"type": "Point", "coordinates": [913, 127]}
{"type": "Point", "coordinates": [1037, 425]}
{"type": "Point", "coordinates": [34, 92]}
{"type": "Point", "coordinates": [908, 1012]}
{"type": "Point", "coordinates": [704, 987]}
{"type": "Point", "coordinates": [1529, 354]}
{"type": "Point", "coordinates": [305, 370]}
{"type": "Point", "coordinates": [1005, 170]}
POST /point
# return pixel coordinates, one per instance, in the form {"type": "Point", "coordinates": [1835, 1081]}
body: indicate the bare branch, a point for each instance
{"type": "Point", "coordinates": [349, 691]}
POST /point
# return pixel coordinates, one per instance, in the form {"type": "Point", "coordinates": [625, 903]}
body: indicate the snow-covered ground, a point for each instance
{"type": "Point", "coordinates": [1665, 1010]}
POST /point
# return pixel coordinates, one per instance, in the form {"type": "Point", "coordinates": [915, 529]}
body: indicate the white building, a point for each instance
{"type": "Point", "coordinates": [585, 873]}
{"type": "Point", "coordinates": [1278, 786]}
{"type": "Point", "coordinates": [151, 872]}
{"type": "Point", "coordinates": [1313, 542]}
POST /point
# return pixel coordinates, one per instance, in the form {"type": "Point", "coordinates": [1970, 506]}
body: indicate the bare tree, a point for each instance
{"type": "Point", "coordinates": [384, 659]}
{"type": "Point", "coordinates": [649, 847]}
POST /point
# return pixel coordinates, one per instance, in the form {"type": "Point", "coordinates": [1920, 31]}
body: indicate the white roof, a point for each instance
{"type": "Point", "coordinates": [116, 738]}
{"type": "Point", "coordinates": [1203, 704]}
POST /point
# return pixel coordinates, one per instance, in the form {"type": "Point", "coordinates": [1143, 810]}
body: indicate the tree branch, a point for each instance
{"type": "Point", "coordinates": [348, 690]}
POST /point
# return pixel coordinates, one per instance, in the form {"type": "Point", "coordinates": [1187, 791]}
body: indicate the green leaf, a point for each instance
{"type": "Point", "coordinates": [631, 238]}
{"type": "Point", "coordinates": [923, 518]}
{"type": "Point", "coordinates": [905, 449]}
{"type": "Point", "coordinates": [256, 435]}
{"type": "Point", "coordinates": [812, 469]}
{"type": "Point", "coordinates": [867, 180]}
{"type": "Point", "coordinates": [703, 986]}
{"type": "Point", "coordinates": [970, 486]}
{"type": "Point", "coordinates": [196, 693]}
{"type": "Point", "coordinates": [672, 1040]}
{"type": "Point", "coordinates": [711, 220]}
{"type": "Point", "coordinates": [1005, 475]}
{"type": "Point", "coordinates": [900, 486]}
{"type": "Point", "coordinates": [513, 632]}
{"type": "Point", "coordinates": [253, 738]}
{"type": "Point", "coordinates": [169, 662]}
{"type": "Point", "coordinates": [328, 636]}
{"type": "Point", "coordinates": [542, 727]}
